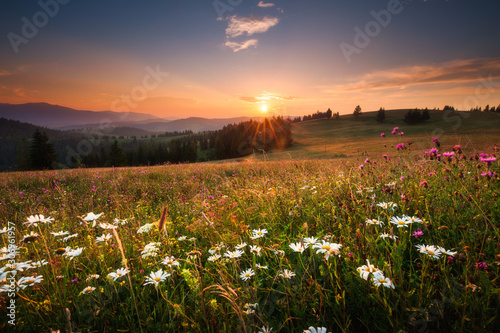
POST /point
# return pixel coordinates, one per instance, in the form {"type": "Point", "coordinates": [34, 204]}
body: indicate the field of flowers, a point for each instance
{"type": "Point", "coordinates": [396, 242]}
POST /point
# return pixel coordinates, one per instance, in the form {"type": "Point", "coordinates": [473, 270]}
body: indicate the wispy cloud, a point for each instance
{"type": "Point", "coordinates": [241, 46]}
{"type": "Point", "coordinates": [265, 5]}
{"type": "Point", "coordinates": [247, 26]}
{"type": "Point", "coordinates": [451, 72]}
{"type": "Point", "coordinates": [239, 26]}
{"type": "Point", "coordinates": [267, 97]}
{"type": "Point", "coordinates": [3, 72]}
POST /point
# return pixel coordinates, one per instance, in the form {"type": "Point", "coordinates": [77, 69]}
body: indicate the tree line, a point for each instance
{"type": "Point", "coordinates": [235, 140]}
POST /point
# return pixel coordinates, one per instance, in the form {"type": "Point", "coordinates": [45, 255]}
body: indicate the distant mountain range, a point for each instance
{"type": "Point", "coordinates": [55, 116]}
{"type": "Point", "coordinates": [63, 118]}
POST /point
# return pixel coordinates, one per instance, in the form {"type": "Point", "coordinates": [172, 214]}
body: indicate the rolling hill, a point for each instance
{"type": "Point", "coordinates": [329, 138]}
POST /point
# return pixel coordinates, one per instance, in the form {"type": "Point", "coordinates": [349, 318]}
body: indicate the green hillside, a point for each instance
{"type": "Point", "coordinates": [327, 138]}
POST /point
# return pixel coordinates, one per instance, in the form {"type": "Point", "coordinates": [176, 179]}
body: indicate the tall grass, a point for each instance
{"type": "Point", "coordinates": [212, 208]}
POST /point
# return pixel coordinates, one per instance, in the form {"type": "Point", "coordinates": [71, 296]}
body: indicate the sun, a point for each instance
{"type": "Point", "coordinates": [263, 108]}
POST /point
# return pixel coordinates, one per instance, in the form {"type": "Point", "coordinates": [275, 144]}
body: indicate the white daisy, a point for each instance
{"type": "Point", "coordinates": [107, 226]}
{"type": "Point", "coordinates": [70, 253]}
{"type": "Point", "coordinates": [386, 235]}
{"type": "Point", "coordinates": [387, 205]}
{"type": "Point", "coordinates": [235, 254]}
{"type": "Point", "coordinates": [430, 250]}
{"type": "Point", "coordinates": [87, 290]}
{"type": "Point", "coordinates": [258, 233]}
{"type": "Point", "coordinates": [309, 241]}
{"type": "Point", "coordinates": [92, 217]}
{"type": "Point", "coordinates": [379, 279]}
{"type": "Point", "coordinates": [240, 246]}
{"type": "Point", "coordinates": [34, 220]}
{"type": "Point", "coordinates": [156, 277]}
{"type": "Point", "coordinates": [315, 330]}
{"type": "Point", "coordinates": [245, 275]}
{"type": "Point", "coordinates": [120, 272]}
{"type": "Point", "coordinates": [170, 261]}
{"type": "Point", "coordinates": [92, 277]}
{"type": "Point", "coordinates": [103, 238]}
{"type": "Point", "coordinates": [400, 221]}
{"type": "Point", "coordinates": [60, 233]}
{"type": "Point", "coordinates": [298, 247]}
{"type": "Point", "coordinates": [287, 274]}
{"type": "Point", "coordinates": [255, 249]}
{"type": "Point", "coordinates": [39, 264]}
{"type": "Point", "coordinates": [214, 257]}
{"type": "Point", "coordinates": [65, 239]}
{"type": "Point", "coordinates": [29, 281]}
{"type": "Point", "coordinates": [365, 270]}
{"type": "Point", "coordinates": [374, 222]}
{"type": "Point", "coordinates": [120, 221]}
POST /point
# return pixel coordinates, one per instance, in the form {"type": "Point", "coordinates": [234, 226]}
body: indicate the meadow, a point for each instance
{"type": "Point", "coordinates": [397, 239]}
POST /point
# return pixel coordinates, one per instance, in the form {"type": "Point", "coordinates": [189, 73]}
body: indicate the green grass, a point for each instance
{"type": "Point", "coordinates": [217, 205]}
{"type": "Point", "coordinates": [329, 138]}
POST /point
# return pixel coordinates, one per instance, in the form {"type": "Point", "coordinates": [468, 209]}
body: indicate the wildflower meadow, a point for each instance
{"type": "Point", "coordinates": [398, 242]}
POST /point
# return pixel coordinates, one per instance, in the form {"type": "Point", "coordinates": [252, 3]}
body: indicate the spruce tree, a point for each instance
{"type": "Point", "coordinates": [42, 153]}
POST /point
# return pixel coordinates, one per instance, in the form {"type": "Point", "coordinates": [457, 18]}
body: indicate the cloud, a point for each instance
{"type": "Point", "coordinates": [451, 72]}
{"type": "Point", "coordinates": [241, 46]}
{"type": "Point", "coordinates": [249, 99]}
{"type": "Point", "coordinates": [3, 72]}
{"type": "Point", "coordinates": [239, 26]}
{"type": "Point", "coordinates": [265, 5]}
{"type": "Point", "coordinates": [267, 97]}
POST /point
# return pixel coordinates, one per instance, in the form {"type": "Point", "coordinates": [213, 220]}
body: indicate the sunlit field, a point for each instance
{"type": "Point", "coordinates": [396, 241]}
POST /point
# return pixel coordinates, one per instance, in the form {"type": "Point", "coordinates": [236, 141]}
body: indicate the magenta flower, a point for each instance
{"type": "Point", "coordinates": [418, 233]}
{"type": "Point", "coordinates": [488, 160]}
{"type": "Point", "coordinates": [489, 174]}
{"type": "Point", "coordinates": [424, 184]}
{"type": "Point", "coordinates": [382, 135]}
{"type": "Point", "coordinates": [400, 146]}
{"type": "Point", "coordinates": [481, 265]}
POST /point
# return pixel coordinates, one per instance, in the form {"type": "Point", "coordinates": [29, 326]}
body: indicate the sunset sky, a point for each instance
{"type": "Point", "coordinates": [228, 58]}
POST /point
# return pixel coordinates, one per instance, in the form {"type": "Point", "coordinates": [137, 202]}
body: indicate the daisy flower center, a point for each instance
{"type": "Point", "coordinates": [325, 247]}
{"type": "Point", "coordinates": [157, 279]}
{"type": "Point", "coordinates": [401, 222]}
{"type": "Point", "coordinates": [431, 252]}
{"type": "Point", "coordinates": [30, 281]}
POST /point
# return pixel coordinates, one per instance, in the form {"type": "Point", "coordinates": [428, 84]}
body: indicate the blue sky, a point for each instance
{"type": "Point", "coordinates": [289, 56]}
